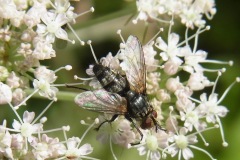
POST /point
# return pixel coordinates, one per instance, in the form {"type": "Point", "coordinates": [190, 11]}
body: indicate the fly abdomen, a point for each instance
{"type": "Point", "coordinates": [111, 81]}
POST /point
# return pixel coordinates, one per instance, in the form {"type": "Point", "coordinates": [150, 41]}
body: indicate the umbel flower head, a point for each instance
{"type": "Point", "coordinates": [183, 116]}
{"type": "Point", "coordinates": [27, 139]}
{"type": "Point", "coordinates": [27, 33]}
{"type": "Point", "coordinates": [189, 12]}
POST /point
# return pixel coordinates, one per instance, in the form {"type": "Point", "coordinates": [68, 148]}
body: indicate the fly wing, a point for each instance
{"type": "Point", "coordinates": [134, 64]}
{"type": "Point", "coordinates": [102, 101]}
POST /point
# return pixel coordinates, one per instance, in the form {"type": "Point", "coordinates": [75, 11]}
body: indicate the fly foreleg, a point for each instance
{"type": "Point", "coordinates": [135, 126]}
{"type": "Point", "coordinates": [109, 121]}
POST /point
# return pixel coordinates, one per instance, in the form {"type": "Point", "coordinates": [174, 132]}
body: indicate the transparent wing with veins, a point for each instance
{"type": "Point", "coordinates": [102, 101]}
{"type": "Point", "coordinates": [134, 64]}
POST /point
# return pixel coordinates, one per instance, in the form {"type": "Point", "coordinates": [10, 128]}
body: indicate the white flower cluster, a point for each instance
{"type": "Point", "coordinates": [28, 29]}
{"type": "Point", "coordinates": [28, 140]}
{"type": "Point", "coordinates": [27, 32]}
{"type": "Point", "coordinates": [190, 12]}
{"type": "Point", "coordinates": [183, 116]}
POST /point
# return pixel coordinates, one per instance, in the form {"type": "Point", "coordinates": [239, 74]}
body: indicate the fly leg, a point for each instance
{"type": "Point", "coordinates": [135, 126]}
{"type": "Point", "coordinates": [109, 121]}
{"type": "Point", "coordinates": [157, 125]}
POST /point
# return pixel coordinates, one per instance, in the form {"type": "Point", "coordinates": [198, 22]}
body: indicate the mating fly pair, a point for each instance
{"type": "Point", "coordinates": [123, 95]}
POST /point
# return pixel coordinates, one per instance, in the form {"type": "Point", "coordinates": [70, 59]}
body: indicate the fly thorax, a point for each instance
{"type": "Point", "coordinates": [138, 104]}
{"type": "Point", "coordinates": [131, 95]}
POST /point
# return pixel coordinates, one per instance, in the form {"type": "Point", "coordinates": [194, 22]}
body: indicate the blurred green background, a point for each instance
{"type": "Point", "coordinates": [221, 42]}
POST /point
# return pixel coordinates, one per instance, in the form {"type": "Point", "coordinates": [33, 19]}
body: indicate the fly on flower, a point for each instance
{"type": "Point", "coordinates": [126, 97]}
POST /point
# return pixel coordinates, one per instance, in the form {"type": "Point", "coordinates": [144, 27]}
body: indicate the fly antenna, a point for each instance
{"type": "Point", "coordinates": [89, 42]}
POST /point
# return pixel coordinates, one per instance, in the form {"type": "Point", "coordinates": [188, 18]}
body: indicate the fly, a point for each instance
{"type": "Point", "coordinates": [123, 95]}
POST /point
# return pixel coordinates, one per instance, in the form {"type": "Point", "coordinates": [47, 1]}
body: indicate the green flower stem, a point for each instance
{"type": "Point", "coordinates": [61, 95]}
{"type": "Point", "coordinates": [131, 9]}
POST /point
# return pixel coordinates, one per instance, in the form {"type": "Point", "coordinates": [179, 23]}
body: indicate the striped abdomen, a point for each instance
{"type": "Point", "coordinates": [111, 81]}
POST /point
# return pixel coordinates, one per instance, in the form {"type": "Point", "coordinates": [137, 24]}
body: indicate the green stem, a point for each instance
{"type": "Point", "coordinates": [61, 95]}
{"type": "Point", "coordinates": [129, 10]}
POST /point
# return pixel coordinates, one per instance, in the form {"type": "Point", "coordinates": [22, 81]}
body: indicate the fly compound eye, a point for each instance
{"type": "Point", "coordinates": [147, 123]}
{"type": "Point", "coordinates": [154, 114]}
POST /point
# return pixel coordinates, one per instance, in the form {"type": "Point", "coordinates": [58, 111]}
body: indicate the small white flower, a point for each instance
{"type": "Point", "coordinates": [13, 80]}
{"type": "Point", "coordinates": [5, 141]}
{"type": "Point", "coordinates": [191, 17]}
{"type": "Point", "coordinates": [46, 74]}
{"type": "Point", "coordinates": [172, 65]}
{"type": "Point", "coordinates": [197, 81]}
{"type": "Point", "coordinates": [45, 78]}
{"type": "Point", "coordinates": [18, 96]}
{"type": "Point", "coordinates": [183, 100]}
{"type": "Point", "coordinates": [64, 7]}
{"type": "Point", "coordinates": [192, 59]}
{"type": "Point", "coordinates": [32, 17]}
{"type": "Point", "coordinates": [8, 9]}
{"type": "Point", "coordinates": [18, 143]}
{"type": "Point", "coordinates": [173, 84]}
{"type": "Point", "coordinates": [17, 21]}
{"type": "Point", "coordinates": [52, 26]}
{"type": "Point", "coordinates": [26, 128]}
{"type": "Point", "coordinates": [43, 49]}
{"type": "Point", "coordinates": [153, 80]}
{"type": "Point", "coordinates": [147, 9]}
{"type": "Point", "coordinates": [120, 132]}
{"type": "Point", "coordinates": [169, 49]}
{"type": "Point", "coordinates": [3, 73]}
{"type": "Point", "coordinates": [210, 106]}
{"type": "Point", "coordinates": [205, 6]}
{"type": "Point", "coordinates": [111, 62]}
{"type": "Point", "coordinates": [21, 4]}
{"type": "Point", "coordinates": [181, 144]}
{"type": "Point", "coordinates": [74, 151]}
{"type": "Point", "coordinates": [28, 35]}
{"type": "Point", "coordinates": [45, 89]}
{"type": "Point", "coordinates": [152, 144]}
{"type": "Point", "coordinates": [149, 54]}
{"type": "Point", "coordinates": [163, 95]}
{"type": "Point", "coordinates": [28, 63]}
{"type": "Point", "coordinates": [191, 116]}
{"type": "Point", "coordinates": [25, 49]}
{"type": "Point", "coordinates": [5, 34]}
{"type": "Point", "coordinates": [5, 93]}
{"type": "Point", "coordinates": [47, 147]}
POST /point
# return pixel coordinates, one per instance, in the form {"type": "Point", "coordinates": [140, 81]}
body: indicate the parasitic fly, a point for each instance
{"type": "Point", "coordinates": [123, 95]}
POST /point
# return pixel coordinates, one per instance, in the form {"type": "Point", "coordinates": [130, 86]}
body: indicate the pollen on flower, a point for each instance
{"type": "Point", "coordinates": [223, 70]}
{"type": "Point", "coordinates": [225, 144]}
{"type": "Point", "coordinates": [181, 141]}
{"type": "Point", "coordinates": [26, 129]}
{"type": "Point", "coordinates": [82, 122]}
{"type": "Point", "coordinates": [92, 9]}
{"type": "Point", "coordinates": [89, 42]}
{"type": "Point", "coordinates": [43, 120]}
{"type": "Point", "coordinates": [96, 120]}
{"type": "Point", "coordinates": [68, 67]}
{"type": "Point", "coordinates": [208, 27]}
{"type": "Point", "coordinates": [152, 143]}
{"type": "Point", "coordinates": [238, 79]}
{"type": "Point", "coordinates": [66, 128]}
{"type": "Point", "coordinates": [230, 63]}
{"type": "Point", "coordinates": [119, 31]}
{"type": "Point", "coordinates": [122, 45]}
